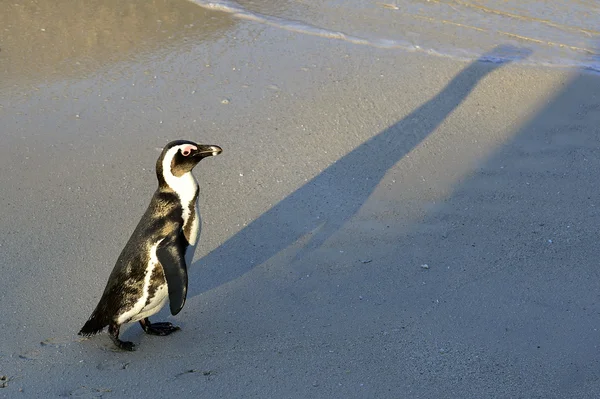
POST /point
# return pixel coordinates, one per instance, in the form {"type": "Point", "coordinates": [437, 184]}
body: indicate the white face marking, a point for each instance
{"type": "Point", "coordinates": [139, 309]}
{"type": "Point", "coordinates": [187, 149]}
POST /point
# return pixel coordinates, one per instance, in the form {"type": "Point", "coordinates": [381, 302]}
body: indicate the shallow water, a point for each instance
{"type": "Point", "coordinates": [42, 42]}
{"type": "Point", "coordinates": [557, 33]}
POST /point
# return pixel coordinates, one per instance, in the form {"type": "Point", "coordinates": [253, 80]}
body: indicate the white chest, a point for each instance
{"type": "Point", "coordinates": [194, 222]}
{"type": "Point", "coordinates": [191, 223]}
{"type": "Point", "coordinates": [186, 188]}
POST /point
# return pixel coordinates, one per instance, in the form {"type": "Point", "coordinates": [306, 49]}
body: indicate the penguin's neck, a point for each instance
{"type": "Point", "coordinates": [185, 186]}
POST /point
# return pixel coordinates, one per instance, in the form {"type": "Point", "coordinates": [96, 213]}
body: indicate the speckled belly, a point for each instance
{"type": "Point", "coordinates": [154, 292]}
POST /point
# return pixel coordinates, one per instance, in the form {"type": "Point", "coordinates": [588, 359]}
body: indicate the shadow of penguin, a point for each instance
{"type": "Point", "coordinates": [319, 208]}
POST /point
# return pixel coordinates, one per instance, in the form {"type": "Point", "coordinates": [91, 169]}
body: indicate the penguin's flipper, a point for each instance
{"type": "Point", "coordinates": [171, 255]}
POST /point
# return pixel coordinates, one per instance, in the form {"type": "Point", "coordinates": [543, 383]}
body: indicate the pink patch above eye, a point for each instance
{"type": "Point", "coordinates": [186, 150]}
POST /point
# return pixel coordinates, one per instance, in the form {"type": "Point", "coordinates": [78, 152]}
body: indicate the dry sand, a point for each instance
{"type": "Point", "coordinates": [345, 170]}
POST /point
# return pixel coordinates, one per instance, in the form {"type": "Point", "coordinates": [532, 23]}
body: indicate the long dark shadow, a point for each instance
{"type": "Point", "coordinates": [516, 252]}
{"type": "Point", "coordinates": [323, 205]}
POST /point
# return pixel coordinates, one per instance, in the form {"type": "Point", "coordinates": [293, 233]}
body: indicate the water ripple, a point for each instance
{"type": "Point", "coordinates": [584, 58]}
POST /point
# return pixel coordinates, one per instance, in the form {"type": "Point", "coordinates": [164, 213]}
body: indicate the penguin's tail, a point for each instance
{"type": "Point", "coordinates": [93, 326]}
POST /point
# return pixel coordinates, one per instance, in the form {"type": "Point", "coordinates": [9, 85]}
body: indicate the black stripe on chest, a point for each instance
{"type": "Point", "coordinates": [157, 279]}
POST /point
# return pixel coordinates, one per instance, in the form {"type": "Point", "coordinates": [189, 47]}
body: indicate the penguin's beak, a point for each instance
{"type": "Point", "coordinates": [208, 150]}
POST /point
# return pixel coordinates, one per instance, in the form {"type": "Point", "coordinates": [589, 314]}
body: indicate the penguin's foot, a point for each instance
{"type": "Point", "coordinates": [113, 331]}
{"type": "Point", "coordinates": [124, 345]}
{"type": "Point", "coordinates": [161, 328]}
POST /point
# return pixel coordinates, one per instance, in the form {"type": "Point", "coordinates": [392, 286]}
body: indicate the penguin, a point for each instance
{"type": "Point", "coordinates": [153, 264]}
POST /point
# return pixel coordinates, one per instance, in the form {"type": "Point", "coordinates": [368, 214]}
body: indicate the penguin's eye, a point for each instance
{"type": "Point", "coordinates": [187, 149]}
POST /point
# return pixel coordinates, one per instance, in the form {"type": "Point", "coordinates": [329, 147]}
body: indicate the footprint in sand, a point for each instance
{"type": "Point", "coordinates": [112, 365]}
{"type": "Point", "coordinates": [87, 392]}
{"type": "Point", "coordinates": [55, 342]}
{"type": "Point", "coordinates": [4, 381]}
{"type": "Point", "coordinates": [35, 354]}
{"type": "Point", "coordinates": [32, 354]}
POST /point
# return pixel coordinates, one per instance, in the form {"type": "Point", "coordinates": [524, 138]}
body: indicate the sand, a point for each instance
{"type": "Point", "coordinates": [345, 170]}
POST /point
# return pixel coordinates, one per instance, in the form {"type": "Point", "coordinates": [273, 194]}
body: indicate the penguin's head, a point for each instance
{"type": "Point", "coordinates": [179, 157]}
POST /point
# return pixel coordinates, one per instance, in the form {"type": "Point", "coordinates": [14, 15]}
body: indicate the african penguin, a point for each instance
{"type": "Point", "coordinates": [153, 264]}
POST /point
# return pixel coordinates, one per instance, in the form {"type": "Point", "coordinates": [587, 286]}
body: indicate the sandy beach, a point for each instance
{"type": "Point", "coordinates": [381, 223]}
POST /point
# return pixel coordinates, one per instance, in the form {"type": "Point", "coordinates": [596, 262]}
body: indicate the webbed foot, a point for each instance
{"type": "Point", "coordinates": [113, 331]}
{"type": "Point", "coordinates": [160, 328]}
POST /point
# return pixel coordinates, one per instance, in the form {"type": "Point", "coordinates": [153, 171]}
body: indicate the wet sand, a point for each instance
{"type": "Point", "coordinates": [381, 223]}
